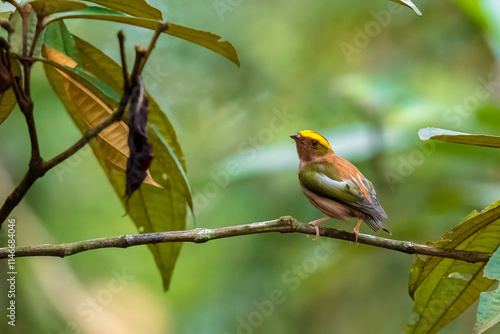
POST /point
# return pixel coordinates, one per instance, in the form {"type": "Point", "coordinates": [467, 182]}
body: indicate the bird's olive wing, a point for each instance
{"type": "Point", "coordinates": [344, 191]}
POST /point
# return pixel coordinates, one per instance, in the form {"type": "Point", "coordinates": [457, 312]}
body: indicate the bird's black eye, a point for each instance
{"type": "Point", "coordinates": [314, 143]}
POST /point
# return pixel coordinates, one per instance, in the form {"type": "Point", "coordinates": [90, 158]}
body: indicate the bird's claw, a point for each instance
{"type": "Point", "coordinates": [316, 228]}
{"type": "Point", "coordinates": [356, 233]}
{"type": "Point", "coordinates": [315, 223]}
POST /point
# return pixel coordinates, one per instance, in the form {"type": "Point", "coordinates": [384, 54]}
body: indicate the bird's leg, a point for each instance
{"type": "Point", "coordinates": [315, 223]}
{"type": "Point", "coordinates": [356, 229]}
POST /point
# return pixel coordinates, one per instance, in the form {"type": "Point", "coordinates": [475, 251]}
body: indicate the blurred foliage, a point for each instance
{"type": "Point", "coordinates": [233, 124]}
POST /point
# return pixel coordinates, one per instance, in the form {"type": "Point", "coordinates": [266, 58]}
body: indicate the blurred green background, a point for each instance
{"type": "Point", "coordinates": [366, 74]}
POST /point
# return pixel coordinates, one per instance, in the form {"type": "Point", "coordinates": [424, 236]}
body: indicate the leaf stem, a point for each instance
{"type": "Point", "coordinates": [140, 53]}
{"type": "Point", "coordinates": [126, 79]}
{"type": "Point", "coordinates": [162, 26]}
{"type": "Point", "coordinates": [38, 30]}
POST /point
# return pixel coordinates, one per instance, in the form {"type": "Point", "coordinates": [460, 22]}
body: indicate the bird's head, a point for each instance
{"type": "Point", "coordinates": [311, 145]}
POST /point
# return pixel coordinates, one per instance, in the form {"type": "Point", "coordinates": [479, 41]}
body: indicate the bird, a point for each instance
{"type": "Point", "coordinates": [334, 185]}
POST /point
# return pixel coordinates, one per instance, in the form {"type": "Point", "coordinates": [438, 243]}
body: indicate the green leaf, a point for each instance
{"type": "Point", "coordinates": [59, 38]}
{"type": "Point", "coordinates": [459, 137]}
{"type": "Point", "coordinates": [63, 55]}
{"type": "Point", "coordinates": [169, 160]}
{"type": "Point", "coordinates": [8, 99]}
{"type": "Point", "coordinates": [158, 206]}
{"type": "Point", "coordinates": [47, 7]}
{"type": "Point", "coordinates": [60, 62]}
{"type": "Point", "coordinates": [203, 38]}
{"type": "Point", "coordinates": [5, 15]}
{"type": "Point", "coordinates": [16, 38]}
{"type": "Point", "coordinates": [7, 103]}
{"type": "Point", "coordinates": [206, 39]}
{"type": "Point", "coordinates": [488, 310]}
{"type": "Point", "coordinates": [409, 4]}
{"type": "Point", "coordinates": [444, 288]}
{"type": "Point", "coordinates": [139, 8]}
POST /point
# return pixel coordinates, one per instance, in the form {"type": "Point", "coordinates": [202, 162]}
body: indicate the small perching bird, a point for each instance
{"type": "Point", "coordinates": [334, 185]}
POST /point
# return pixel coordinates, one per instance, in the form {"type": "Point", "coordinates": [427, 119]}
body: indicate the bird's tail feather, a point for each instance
{"type": "Point", "coordinates": [375, 223]}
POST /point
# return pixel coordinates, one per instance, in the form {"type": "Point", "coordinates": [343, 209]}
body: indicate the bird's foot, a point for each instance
{"type": "Point", "coordinates": [315, 223]}
{"type": "Point", "coordinates": [356, 231]}
{"type": "Point", "coordinates": [316, 228]}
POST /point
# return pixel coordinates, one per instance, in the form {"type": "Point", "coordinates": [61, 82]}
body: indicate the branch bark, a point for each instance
{"type": "Point", "coordinates": [285, 224]}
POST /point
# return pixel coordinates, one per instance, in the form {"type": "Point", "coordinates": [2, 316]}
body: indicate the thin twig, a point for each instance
{"type": "Point", "coordinates": [162, 26]}
{"type": "Point", "coordinates": [285, 224]}
{"type": "Point", "coordinates": [30, 120]}
{"type": "Point", "coordinates": [38, 30]}
{"type": "Point", "coordinates": [15, 197]}
{"type": "Point", "coordinates": [140, 53]}
{"type": "Point", "coordinates": [121, 41]}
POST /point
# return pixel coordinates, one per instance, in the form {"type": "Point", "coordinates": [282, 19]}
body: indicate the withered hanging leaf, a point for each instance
{"type": "Point", "coordinates": [5, 77]}
{"type": "Point", "coordinates": [7, 103]}
{"type": "Point", "coordinates": [141, 151]}
{"type": "Point", "coordinates": [7, 98]}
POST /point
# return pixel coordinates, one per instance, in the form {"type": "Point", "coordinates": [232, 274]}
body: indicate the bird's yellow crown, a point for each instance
{"type": "Point", "coordinates": [316, 136]}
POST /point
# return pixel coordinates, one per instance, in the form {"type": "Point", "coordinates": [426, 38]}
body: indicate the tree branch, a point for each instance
{"type": "Point", "coordinates": [285, 224]}
{"type": "Point", "coordinates": [34, 172]}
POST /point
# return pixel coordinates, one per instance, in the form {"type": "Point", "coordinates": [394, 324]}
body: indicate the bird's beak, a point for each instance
{"type": "Point", "coordinates": [295, 137]}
